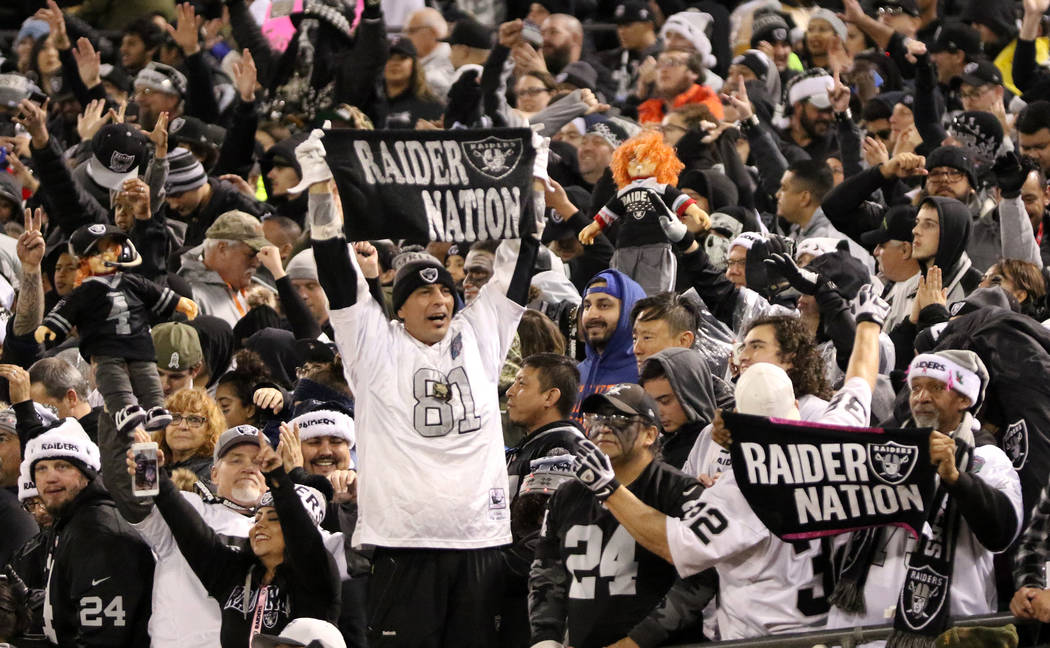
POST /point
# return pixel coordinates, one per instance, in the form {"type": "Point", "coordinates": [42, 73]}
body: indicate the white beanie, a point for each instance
{"type": "Point", "coordinates": [746, 240]}
{"type": "Point", "coordinates": [692, 25]}
{"type": "Point", "coordinates": [26, 485]}
{"type": "Point", "coordinates": [962, 371]}
{"type": "Point", "coordinates": [816, 246]}
{"type": "Point", "coordinates": [766, 390]}
{"type": "Point", "coordinates": [312, 499]}
{"type": "Point", "coordinates": [324, 422]}
{"type": "Point", "coordinates": [302, 266]}
{"type": "Point", "coordinates": [67, 441]}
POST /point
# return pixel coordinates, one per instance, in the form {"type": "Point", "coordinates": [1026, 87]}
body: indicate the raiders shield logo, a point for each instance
{"type": "Point", "coordinates": [176, 125]}
{"type": "Point", "coordinates": [1015, 443]}
{"type": "Point", "coordinates": [97, 229]}
{"type": "Point", "coordinates": [892, 462]}
{"type": "Point", "coordinates": [922, 596]}
{"type": "Point", "coordinates": [120, 162]}
{"type": "Point", "coordinates": [493, 157]}
{"type": "Point", "coordinates": [428, 275]}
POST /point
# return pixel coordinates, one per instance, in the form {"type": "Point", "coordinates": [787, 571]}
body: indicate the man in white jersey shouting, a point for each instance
{"type": "Point", "coordinates": [432, 476]}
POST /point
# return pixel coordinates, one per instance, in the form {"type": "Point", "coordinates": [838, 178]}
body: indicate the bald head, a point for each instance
{"type": "Point", "coordinates": [425, 27]}
{"type": "Point", "coordinates": [562, 41]}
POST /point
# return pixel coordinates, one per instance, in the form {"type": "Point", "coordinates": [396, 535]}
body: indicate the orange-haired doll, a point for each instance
{"type": "Point", "coordinates": [654, 212]}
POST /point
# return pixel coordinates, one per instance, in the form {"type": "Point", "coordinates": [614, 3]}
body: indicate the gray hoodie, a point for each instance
{"type": "Point", "coordinates": [690, 380]}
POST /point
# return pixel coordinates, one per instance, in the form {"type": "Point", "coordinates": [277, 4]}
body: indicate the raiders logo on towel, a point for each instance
{"type": "Point", "coordinates": [922, 596]}
{"type": "Point", "coordinates": [892, 462]}
{"type": "Point", "coordinates": [1015, 443]}
{"type": "Point", "coordinates": [494, 157]}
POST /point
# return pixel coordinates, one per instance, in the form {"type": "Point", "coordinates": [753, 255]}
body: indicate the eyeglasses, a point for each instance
{"type": "Point", "coordinates": [615, 423]}
{"type": "Point", "coordinates": [950, 175]}
{"type": "Point", "coordinates": [532, 92]}
{"type": "Point", "coordinates": [32, 505]}
{"type": "Point", "coordinates": [975, 94]}
{"type": "Point", "coordinates": [192, 420]}
{"type": "Point", "coordinates": [736, 263]}
{"type": "Point", "coordinates": [671, 62]}
{"type": "Point", "coordinates": [890, 11]}
{"type": "Point", "coordinates": [883, 134]}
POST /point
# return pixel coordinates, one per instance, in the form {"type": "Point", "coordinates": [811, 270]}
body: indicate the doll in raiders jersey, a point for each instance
{"type": "Point", "coordinates": [111, 311]}
{"type": "Point", "coordinates": [653, 212]}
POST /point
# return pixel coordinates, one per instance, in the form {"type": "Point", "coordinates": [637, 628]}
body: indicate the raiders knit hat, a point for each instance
{"type": "Point", "coordinates": [609, 130]}
{"type": "Point", "coordinates": [236, 225]}
{"type": "Point", "coordinates": [836, 23]}
{"type": "Point", "coordinates": [67, 441]}
{"type": "Point", "coordinates": [418, 273]}
{"type": "Point", "coordinates": [233, 437]}
{"type": "Point", "coordinates": [26, 485]}
{"type": "Point", "coordinates": [185, 173]}
{"type": "Point", "coordinates": [626, 398]}
{"type": "Point", "coordinates": [311, 498]}
{"type": "Point", "coordinates": [764, 389]}
{"type": "Point", "coordinates": [754, 60]}
{"type": "Point", "coordinates": [813, 86]}
{"type": "Point", "coordinates": [178, 346]}
{"type": "Point", "coordinates": [546, 474]}
{"type": "Point", "coordinates": [771, 27]}
{"type": "Point", "coordinates": [303, 632]}
{"type": "Point", "coordinates": [962, 371]}
{"type": "Point", "coordinates": [159, 77]}
{"type": "Point", "coordinates": [326, 422]}
{"type": "Point", "coordinates": [692, 24]}
{"type": "Point", "coordinates": [119, 152]}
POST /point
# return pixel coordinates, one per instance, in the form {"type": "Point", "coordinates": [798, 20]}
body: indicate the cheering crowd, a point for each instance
{"type": "Point", "coordinates": [732, 321]}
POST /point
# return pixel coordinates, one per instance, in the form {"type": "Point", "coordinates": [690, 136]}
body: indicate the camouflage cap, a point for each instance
{"type": "Point", "coordinates": [236, 225]}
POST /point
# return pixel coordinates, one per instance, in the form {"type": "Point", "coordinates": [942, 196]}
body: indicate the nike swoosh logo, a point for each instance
{"type": "Point", "coordinates": [94, 582]}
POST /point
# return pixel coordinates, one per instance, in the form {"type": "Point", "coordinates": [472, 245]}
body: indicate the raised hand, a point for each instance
{"type": "Point", "coordinates": [31, 244]}
{"type": "Point", "coordinates": [33, 118]}
{"type": "Point", "coordinates": [134, 196]}
{"type": "Point", "coordinates": [269, 398]}
{"type": "Point", "coordinates": [89, 62]}
{"type": "Point", "coordinates": [869, 307]}
{"type": "Point", "coordinates": [594, 470]}
{"type": "Point", "coordinates": [245, 76]}
{"type": "Point", "coordinates": [270, 258]}
{"type": "Point", "coordinates": [589, 233]}
{"type": "Point", "coordinates": [510, 33]}
{"type": "Point", "coordinates": [187, 29]}
{"type": "Point", "coordinates": [290, 447]}
{"type": "Point", "coordinates": [875, 152]}
{"type": "Point", "coordinates": [367, 259]}
{"type": "Point", "coordinates": [267, 460]}
{"type": "Point", "coordinates": [92, 119]}
{"type": "Point", "coordinates": [805, 281]}
{"type": "Point", "coordinates": [159, 136]}
{"type": "Point", "coordinates": [57, 22]}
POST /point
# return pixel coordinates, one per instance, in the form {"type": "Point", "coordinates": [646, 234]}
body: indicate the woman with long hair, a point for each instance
{"type": "Point", "coordinates": [189, 440]}
{"type": "Point", "coordinates": [408, 97]}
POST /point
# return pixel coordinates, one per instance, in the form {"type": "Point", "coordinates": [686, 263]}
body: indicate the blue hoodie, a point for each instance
{"type": "Point", "coordinates": [616, 364]}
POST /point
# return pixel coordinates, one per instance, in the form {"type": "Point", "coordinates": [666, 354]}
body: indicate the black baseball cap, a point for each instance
{"type": "Point", "coordinates": [978, 73]}
{"type": "Point", "coordinates": [404, 46]}
{"type": "Point", "coordinates": [119, 153]}
{"type": "Point", "coordinates": [84, 240]}
{"type": "Point", "coordinates": [471, 33]}
{"type": "Point", "coordinates": [627, 398]}
{"type": "Point", "coordinates": [631, 12]}
{"type": "Point", "coordinates": [955, 36]}
{"type": "Point", "coordinates": [192, 130]}
{"type": "Point", "coordinates": [897, 225]}
{"type": "Point", "coordinates": [907, 6]}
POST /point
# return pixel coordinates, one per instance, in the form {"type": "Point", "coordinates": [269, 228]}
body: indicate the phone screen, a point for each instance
{"type": "Point", "coordinates": [147, 480]}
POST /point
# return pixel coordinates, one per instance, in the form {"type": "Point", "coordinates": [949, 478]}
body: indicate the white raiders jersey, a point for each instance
{"type": "Point", "coordinates": [765, 585]}
{"type": "Point", "coordinates": [429, 437]}
{"type": "Point", "coordinates": [973, 588]}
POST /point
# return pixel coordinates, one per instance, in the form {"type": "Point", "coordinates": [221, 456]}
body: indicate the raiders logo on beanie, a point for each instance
{"type": "Point", "coordinates": [324, 422]}
{"type": "Point", "coordinates": [69, 442]}
{"type": "Point", "coordinates": [312, 499]}
{"type": "Point", "coordinates": [417, 273]}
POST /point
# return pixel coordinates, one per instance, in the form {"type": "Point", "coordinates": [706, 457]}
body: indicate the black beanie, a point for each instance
{"type": "Point", "coordinates": [953, 157]}
{"type": "Point", "coordinates": [418, 273]}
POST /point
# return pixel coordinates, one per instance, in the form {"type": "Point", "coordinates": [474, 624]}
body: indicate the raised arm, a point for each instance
{"type": "Point", "coordinates": [871, 312]}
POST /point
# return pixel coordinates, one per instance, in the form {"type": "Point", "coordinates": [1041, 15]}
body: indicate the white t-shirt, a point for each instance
{"type": "Point", "coordinates": [753, 565]}
{"type": "Point", "coordinates": [430, 441]}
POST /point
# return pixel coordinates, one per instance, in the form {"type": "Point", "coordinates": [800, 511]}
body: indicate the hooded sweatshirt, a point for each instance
{"type": "Point", "coordinates": [691, 383]}
{"type": "Point", "coordinates": [959, 276]}
{"type": "Point", "coordinates": [616, 363]}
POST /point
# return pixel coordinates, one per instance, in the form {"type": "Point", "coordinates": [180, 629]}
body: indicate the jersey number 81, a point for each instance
{"type": "Point", "coordinates": [433, 415]}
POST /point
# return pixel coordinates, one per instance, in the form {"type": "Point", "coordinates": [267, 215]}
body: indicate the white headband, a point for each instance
{"type": "Point", "coordinates": [953, 375]}
{"type": "Point", "coordinates": [321, 423]}
{"type": "Point", "coordinates": [810, 87]}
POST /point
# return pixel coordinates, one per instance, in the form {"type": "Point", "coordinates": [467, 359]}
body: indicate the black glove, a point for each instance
{"type": "Point", "coordinates": [805, 281]}
{"type": "Point", "coordinates": [1010, 173]}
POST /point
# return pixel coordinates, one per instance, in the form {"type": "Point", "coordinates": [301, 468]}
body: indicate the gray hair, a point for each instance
{"type": "Point", "coordinates": [58, 377]}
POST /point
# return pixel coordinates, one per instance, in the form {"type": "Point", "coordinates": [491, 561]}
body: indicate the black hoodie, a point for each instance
{"type": "Point", "coordinates": [691, 383]}
{"type": "Point", "coordinates": [951, 257]}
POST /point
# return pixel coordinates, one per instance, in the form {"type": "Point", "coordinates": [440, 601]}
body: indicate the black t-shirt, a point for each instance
{"type": "Point", "coordinates": [111, 313]}
{"type": "Point", "coordinates": [614, 581]}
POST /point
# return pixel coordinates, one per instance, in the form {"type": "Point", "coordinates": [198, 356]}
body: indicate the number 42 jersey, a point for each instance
{"type": "Point", "coordinates": [429, 437]}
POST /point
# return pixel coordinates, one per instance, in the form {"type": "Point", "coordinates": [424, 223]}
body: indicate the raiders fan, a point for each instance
{"type": "Point", "coordinates": [590, 575]}
{"type": "Point", "coordinates": [720, 530]}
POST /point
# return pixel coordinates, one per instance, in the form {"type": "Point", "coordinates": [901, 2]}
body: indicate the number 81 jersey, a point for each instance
{"type": "Point", "coordinates": [432, 472]}
{"type": "Point", "coordinates": [614, 582]}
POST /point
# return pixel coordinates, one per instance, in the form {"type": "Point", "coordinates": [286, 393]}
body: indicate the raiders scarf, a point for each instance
{"type": "Point", "coordinates": [924, 604]}
{"type": "Point", "coordinates": [805, 480]}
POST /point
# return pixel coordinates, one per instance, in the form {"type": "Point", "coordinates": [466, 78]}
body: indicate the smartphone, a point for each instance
{"type": "Point", "coordinates": [530, 32]}
{"type": "Point", "coordinates": [146, 482]}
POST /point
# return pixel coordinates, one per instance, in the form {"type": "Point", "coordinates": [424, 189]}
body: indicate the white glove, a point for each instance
{"type": "Point", "coordinates": [594, 470]}
{"type": "Point", "coordinates": [547, 643]}
{"type": "Point", "coordinates": [869, 307]}
{"type": "Point", "coordinates": [674, 228]}
{"type": "Point", "coordinates": [311, 157]}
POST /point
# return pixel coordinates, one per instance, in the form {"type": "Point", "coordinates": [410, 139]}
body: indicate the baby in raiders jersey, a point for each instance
{"type": "Point", "coordinates": [110, 310]}
{"type": "Point", "coordinates": [646, 172]}
{"type": "Point", "coordinates": [766, 586]}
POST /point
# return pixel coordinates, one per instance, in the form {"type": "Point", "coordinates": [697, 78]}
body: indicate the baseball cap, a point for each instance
{"type": "Point", "coordinates": [235, 436]}
{"type": "Point", "coordinates": [85, 239]}
{"type": "Point", "coordinates": [115, 75]}
{"type": "Point", "coordinates": [627, 398]}
{"type": "Point", "coordinates": [471, 33]}
{"type": "Point", "coordinates": [765, 389]}
{"type": "Point", "coordinates": [14, 88]}
{"type": "Point", "coordinates": [978, 73]}
{"type": "Point", "coordinates": [580, 74]}
{"type": "Point", "coordinates": [119, 152]}
{"type": "Point", "coordinates": [953, 36]}
{"type": "Point", "coordinates": [178, 346]}
{"type": "Point", "coordinates": [301, 632]}
{"type": "Point", "coordinates": [236, 225]}
{"type": "Point", "coordinates": [161, 78]}
{"type": "Point", "coordinates": [192, 130]}
{"type": "Point", "coordinates": [404, 46]}
{"type": "Point", "coordinates": [907, 6]}
{"type": "Point", "coordinates": [897, 225]}
{"type": "Point", "coordinates": [631, 12]}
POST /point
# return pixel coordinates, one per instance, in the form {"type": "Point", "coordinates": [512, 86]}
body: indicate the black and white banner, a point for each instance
{"type": "Point", "coordinates": [805, 480]}
{"type": "Point", "coordinates": [449, 185]}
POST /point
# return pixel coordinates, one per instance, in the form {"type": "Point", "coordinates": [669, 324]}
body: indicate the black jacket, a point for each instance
{"type": "Point", "coordinates": [306, 584]}
{"type": "Point", "coordinates": [560, 434]}
{"type": "Point", "coordinates": [101, 583]}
